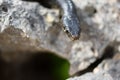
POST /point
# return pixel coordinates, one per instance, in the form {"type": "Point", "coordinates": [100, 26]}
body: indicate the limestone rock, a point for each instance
{"type": "Point", "coordinates": [91, 76]}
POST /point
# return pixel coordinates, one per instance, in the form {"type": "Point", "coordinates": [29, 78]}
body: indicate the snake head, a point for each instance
{"type": "Point", "coordinates": [71, 26]}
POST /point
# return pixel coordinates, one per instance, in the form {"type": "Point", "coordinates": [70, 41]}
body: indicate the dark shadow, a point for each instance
{"type": "Point", "coordinates": [45, 3]}
{"type": "Point", "coordinates": [108, 53]}
{"type": "Point", "coordinates": [40, 66]}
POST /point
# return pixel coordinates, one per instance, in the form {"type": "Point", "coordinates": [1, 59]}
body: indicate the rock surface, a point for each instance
{"type": "Point", "coordinates": [111, 66]}
{"type": "Point", "coordinates": [30, 27]}
{"type": "Point", "coordinates": [91, 76]}
{"type": "Point", "coordinates": [108, 69]}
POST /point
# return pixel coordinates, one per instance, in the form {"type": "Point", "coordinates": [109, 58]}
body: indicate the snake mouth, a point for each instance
{"type": "Point", "coordinates": [72, 37]}
{"type": "Point", "coordinates": [75, 37]}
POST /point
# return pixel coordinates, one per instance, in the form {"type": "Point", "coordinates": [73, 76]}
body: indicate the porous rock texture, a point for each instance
{"type": "Point", "coordinates": [30, 27]}
{"type": "Point", "coordinates": [108, 69]}
{"type": "Point", "coordinates": [92, 76]}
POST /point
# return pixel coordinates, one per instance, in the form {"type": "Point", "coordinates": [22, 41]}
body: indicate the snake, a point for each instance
{"type": "Point", "coordinates": [70, 20]}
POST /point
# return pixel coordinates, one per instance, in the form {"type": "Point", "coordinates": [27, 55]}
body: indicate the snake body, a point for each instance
{"type": "Point", "coordinates": [70, 19]}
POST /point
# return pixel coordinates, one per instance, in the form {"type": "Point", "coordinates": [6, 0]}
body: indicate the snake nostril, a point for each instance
{"type": "Point", "coordinates": [75, 37]}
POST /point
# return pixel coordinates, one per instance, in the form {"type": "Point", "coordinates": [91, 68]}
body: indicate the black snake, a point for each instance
{"type": "Point", "coordinates": [70, 19]}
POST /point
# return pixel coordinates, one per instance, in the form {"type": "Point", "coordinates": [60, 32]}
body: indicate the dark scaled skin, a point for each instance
{"type": "Point", "coordinates": [70, 19]}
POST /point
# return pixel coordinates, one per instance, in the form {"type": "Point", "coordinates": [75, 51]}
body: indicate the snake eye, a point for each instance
{"type": "Point", "coordinates": [67, 32]}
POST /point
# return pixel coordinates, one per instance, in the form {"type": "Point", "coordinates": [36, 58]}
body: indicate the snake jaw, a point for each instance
{"type": "Point", "coordinates": [71, 26]}
{"type": "Point", "coordinates": [71, 36]}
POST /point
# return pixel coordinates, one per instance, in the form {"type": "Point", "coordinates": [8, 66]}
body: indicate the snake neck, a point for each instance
{"type": "Point", "coordinates": [67, 6]}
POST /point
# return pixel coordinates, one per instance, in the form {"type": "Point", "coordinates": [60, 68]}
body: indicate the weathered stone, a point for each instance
{"type": "Point", "coordinates": [107, 70]}
{"type": "Point", "coordinates": [111, 66]}
{"type": "Point", "coordinates": [36, 28]}
{"type": "Point", "coordinates": [91, 76]}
